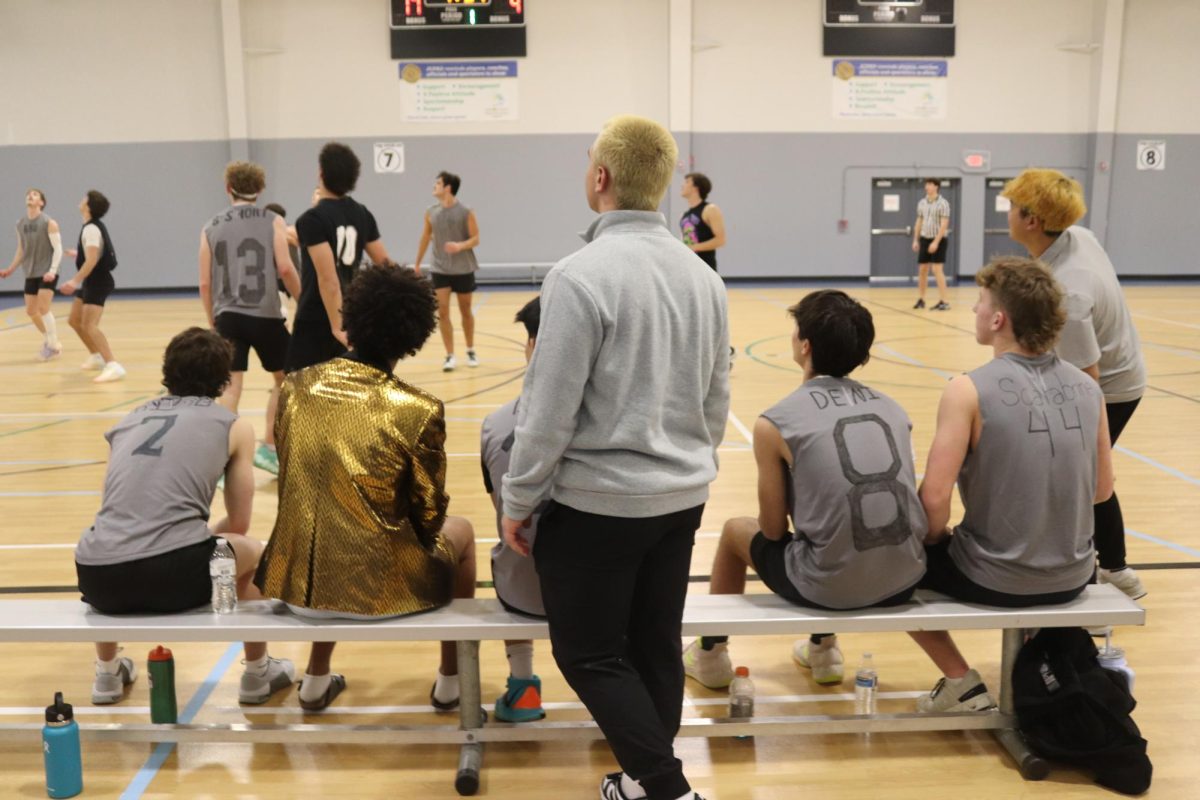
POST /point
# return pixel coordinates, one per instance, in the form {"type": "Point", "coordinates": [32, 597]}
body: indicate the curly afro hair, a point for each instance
{"type": "Point", "coordinates": [197, 363]}
{"type": "Point", "coordinates": [388, 312]}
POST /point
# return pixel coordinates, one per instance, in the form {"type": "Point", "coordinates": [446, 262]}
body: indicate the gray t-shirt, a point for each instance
{"type": "Point", "coordinates": [242, 242]}
{"type": "Point", "coordinates": [450, 225]}
{"type": "Point", "coordinates": [36, 251]}
{"type": "Point", "coordinates": [164, 461]}
{"type": "Point", "coordinates": [859, 523]}
{"type": "Point", "coordinates": [515, 577]}
{"type": "Point", "coordinates": [1028, 484]}
{"type": "Point", "coordinates": [1099, 328]}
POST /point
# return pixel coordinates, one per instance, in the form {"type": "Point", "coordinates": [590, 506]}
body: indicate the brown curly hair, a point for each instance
{"type": "Point", "coordinates": [1027, 292]}
{"type": "Point", "coordinates": [388, 312]}
{"type": "Point", "coordinates": [245, 179]}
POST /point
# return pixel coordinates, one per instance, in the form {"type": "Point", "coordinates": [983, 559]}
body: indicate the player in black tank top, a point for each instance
{"type": "Point", "coordinates": [702, 225]}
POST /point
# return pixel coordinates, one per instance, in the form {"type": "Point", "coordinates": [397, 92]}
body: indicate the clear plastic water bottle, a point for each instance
{"type": "Point", "coordinates": [1113, 658]}
{"type": "Point", "coordinates": [866, 681]}
{"type": "Point", "coordinates": [222, 568]}
{"type": "Point", "coordinates": [741, 695]}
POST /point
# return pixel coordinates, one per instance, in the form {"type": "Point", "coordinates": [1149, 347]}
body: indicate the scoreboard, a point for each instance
{"type": "Point", "coordinates": [888, 28]}
{"type": "Point", "coordinates": [457, 28]}
{"type": "Point", "coordinates": [457, 13]}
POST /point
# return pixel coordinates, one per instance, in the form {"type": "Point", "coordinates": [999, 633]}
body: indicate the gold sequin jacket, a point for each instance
{"type": "Point", "coordinates": [362, 470]}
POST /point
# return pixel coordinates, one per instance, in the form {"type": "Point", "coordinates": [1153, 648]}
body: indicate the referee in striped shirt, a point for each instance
{"type": "Point", "coordinates": [929, 242]}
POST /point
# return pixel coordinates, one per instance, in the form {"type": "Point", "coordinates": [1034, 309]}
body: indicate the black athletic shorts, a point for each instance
{"type": "Point", "coordinates": [938, 256]}
{"type": "Point", "coordinates": [174, 581]}
{"type": "Point", "coordinates": [943, 575]}
{"type": "Point", "coordinates": [97, 287]}
{"type": "Point", "coordinates": [769, 557]}
{"type": "Point", "coordinates": [459, 284]}
{"type": "Point", "coordinates": [312, 343]}
{"type": "Point", "coordinates": [267, 337]}
{"type": "Point", "coordinates": [35, 285]}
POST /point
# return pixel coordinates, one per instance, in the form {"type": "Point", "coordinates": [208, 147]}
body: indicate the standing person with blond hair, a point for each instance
{"type": "Point", "coordinates": [243, 251]}
{"type": "Point", "coordinates": [624, 404]}
{"type": "Point", "coordinates": [1099, 336]}
{"type": "Point", "coordinates": [39, 251]}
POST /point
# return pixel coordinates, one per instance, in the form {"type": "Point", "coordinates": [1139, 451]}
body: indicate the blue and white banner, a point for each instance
{"type": "Point", "coordinates": [459, 91]}
{"type": "Point", "coordinates": [889, 89]}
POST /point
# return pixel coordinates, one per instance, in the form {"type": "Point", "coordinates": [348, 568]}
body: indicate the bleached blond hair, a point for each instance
{"type": "Point", "coordinates": [640, 156]}
{"type": "Point", "coordinates": [1048, 195]}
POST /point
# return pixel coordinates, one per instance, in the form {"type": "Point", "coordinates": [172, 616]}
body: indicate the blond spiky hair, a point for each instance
{"type": "Point", "coordinates": [1048, 195]}
{"type": "Point", "coordinates": [246, 179]}
{"type": "Point", "coordinates": [640, 156]}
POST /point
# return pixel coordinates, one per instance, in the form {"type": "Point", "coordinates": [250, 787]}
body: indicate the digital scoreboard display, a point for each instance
{"type": "Point", "coordinates": [905, 28]}
{"type": "Point", "coordinates": [409, 14]}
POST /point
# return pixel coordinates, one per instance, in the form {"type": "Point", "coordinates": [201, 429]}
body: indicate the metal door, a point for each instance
{"type": "Point", "coordinates": [995, 223]}
{"type": "Point", "coordinates": [893, 211]}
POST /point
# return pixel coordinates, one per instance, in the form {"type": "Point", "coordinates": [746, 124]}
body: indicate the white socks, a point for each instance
{"type": "Point", "coordinates": [631, 788]}
{"type": "Point", "coordinates": [520, 659]}
{"type": "Point", "coordinates": [110, 667]}
{"type": "Point", "coordinates": [51, 329]}
{"type": "Point", "coordinates": [258, 667]}
{"type": "Point", "coordinates": [313, 687]}
{"type": "Point", "coordinates": [446, 688]}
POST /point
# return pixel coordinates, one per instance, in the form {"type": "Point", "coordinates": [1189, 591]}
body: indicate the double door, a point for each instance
{"type": "Point", "coordinates": [893, 211]}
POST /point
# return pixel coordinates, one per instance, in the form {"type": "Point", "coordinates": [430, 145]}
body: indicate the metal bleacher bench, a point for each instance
{"type": "Point", "coordinates": [470, 621]}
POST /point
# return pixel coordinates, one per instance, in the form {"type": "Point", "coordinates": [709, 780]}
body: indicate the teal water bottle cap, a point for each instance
{"type": "Point", "coordinates": [61, 711]}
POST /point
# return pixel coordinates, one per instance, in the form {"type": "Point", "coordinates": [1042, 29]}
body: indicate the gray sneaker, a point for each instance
{"type": "Point", "coordinates": [109, 687]}
{"type": "Point", "coordinates": [256, 689]}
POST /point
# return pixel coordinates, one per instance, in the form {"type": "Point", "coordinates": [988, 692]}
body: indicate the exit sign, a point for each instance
{"type": "Point", "coordinates": [976, 160]}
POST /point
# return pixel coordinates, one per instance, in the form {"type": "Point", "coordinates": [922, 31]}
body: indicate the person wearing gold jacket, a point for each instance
{"type": "Point", "coordinates": [362, 530]}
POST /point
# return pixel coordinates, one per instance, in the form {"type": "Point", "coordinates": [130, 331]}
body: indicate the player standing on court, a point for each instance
{"type": "Point", "coordinates": [242, 250]}
{"type": "Point", "coordinates": [39, 251]}
{"type": "Point", "coordinates": [455, 234]}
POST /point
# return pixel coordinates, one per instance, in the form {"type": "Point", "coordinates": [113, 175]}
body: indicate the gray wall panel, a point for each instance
{"type": "Point", "coordinates": [782, 195]}
{"type": "Point", "coordinates": [161, 193]}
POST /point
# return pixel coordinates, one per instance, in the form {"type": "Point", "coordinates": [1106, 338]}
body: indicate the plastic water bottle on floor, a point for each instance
{"type": "Point", "coordinates": [1113, 658]}
{"type": "Point", "coordinates": [741, 695]}
{"type": "Point", "coordinates": [866, 681]}
{"type": "Point", "coordinates": [222, 568]}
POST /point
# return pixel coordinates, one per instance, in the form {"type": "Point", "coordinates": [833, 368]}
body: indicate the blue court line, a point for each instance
{"type": "Point", "coordinates": [1181, 548]}
{"type": "Point", "coordinates": [1157, 465]}
{"type": "Point", "coordinates": [154, 763]}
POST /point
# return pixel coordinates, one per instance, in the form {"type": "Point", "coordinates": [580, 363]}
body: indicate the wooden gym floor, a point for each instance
{"type": "Point", "coordinates": [52, 457]}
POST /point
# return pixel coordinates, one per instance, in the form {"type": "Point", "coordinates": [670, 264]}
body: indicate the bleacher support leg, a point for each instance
{"type": "Point", "coordinates": [470, 711]}
{"type": "Point", "coordinates": [1032, 767]}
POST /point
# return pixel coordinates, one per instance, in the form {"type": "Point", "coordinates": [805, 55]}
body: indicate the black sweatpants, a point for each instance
{"type": "Point", "coordinates": [614, 589]}
{"type": "Point", "coordinates": [1110, 524]}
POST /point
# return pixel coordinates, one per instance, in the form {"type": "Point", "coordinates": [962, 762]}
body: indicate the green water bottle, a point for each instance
{"type": "Point", "coordinates": [162, 686]}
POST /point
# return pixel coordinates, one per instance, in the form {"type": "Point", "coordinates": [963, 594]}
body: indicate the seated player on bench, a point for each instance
{"type": "Point", "coordinates": [149, 548]}
{"type": "Point", "coordinates": [362, 531]}
{"type": "Point", "coordinates": [1026, 437]}
{"type": "Point", "coordinates": [837, 456]}
{"type": "Point", "coordinates": [514, 575]}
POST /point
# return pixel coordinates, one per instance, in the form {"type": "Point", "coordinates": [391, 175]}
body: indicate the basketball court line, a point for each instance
{"type": "Point", "coordinates": [1166, 321]}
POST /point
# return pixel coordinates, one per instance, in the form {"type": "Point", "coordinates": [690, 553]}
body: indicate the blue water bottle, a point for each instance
{"type": "Point", "coordinates": [60, 743]}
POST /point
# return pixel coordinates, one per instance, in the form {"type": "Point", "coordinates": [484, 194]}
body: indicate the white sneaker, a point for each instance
{"type": "Point", "coordinates": [1126, 580]}
{"type": "Point", "coordinates": [472, 359]}
{"type": "Point", "coordinates": [109, 687]}
{"type": "Point", "coordinates": [112, 372]}
{"type": "Point", "coordinates": [94, 362]}
{"type": "Point", "coordinates": [711, 668]}
{"type": "Point", "coordinates": [256, 689]}
{"type": "Point", "coordinates": [449, 364]}
{"type": "Point", "coordinates": [967, 693]}
{"type": "Point", "coordinates": [825, 660]}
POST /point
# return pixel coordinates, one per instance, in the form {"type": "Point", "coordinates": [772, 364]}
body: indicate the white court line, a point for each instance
{"type": "Point", "coordinates": [49, 494]}
{"type": "Point", "coordinates": [1167, 321]}
{"type": "Point", "coordinates": [28, 461]}
{"type": "Point", "coordinates": [36, 546]}
{"type": "Point", "coordinates": [742, 429]}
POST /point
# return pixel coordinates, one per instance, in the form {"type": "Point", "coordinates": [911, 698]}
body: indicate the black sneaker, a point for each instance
{"type": "Point", "coordinates": [941, 306]}
{"type": "Point", "coordinates": [919, 304]}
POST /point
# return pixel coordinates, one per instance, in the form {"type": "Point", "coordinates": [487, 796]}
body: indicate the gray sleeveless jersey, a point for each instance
{"type": "Point", "coordinates": [450, 225]}
{"type": "Point", "coordinates": [242, 242]}
{"type": "Point", "coordinates": [859, 524]}
{"type": "Point", "coordinates": [1028, 485]}
{"type": "Point", "coordinates": [36, 252]}
{"type": "Point", "coordinates": [514, 575]}
{"type": "Point", "coordinates": [164, 461]}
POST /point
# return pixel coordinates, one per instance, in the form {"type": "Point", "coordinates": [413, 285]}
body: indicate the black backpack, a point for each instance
{"type": "Point", "coordinates": [1072, 710]}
